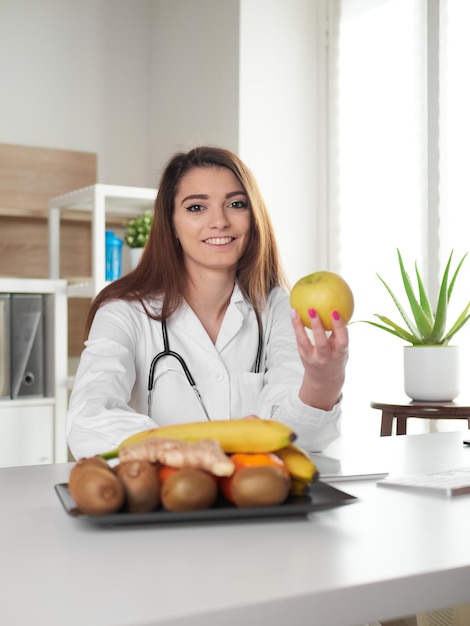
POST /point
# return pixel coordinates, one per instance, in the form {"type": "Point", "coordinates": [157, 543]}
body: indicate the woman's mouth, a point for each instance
{"type": "Point", "coordinates": [219, 241]}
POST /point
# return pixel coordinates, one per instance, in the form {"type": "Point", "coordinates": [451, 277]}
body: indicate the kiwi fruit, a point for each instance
{"type": "Point", "coordinates": [84, 464]}
{"type": "Point", "coordinates": [141, 485]}
{"type": "Point", "coordinates": [264, 485]}
{"type": "Point", "coordinates": [95, 488]}
{"type": "Point", "coordinates": [189, 489]}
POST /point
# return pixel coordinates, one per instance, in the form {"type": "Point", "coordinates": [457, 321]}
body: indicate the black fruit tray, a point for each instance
{"type": "Point", "coordinates": [321, 496]}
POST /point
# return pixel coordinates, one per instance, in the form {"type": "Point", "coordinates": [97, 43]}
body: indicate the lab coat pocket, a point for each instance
{"type": "Point", "coordinates": [173, 398]}
{"type": "Point", "coordinates": [250, 386]}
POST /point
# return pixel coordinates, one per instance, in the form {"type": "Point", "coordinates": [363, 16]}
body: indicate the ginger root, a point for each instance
{"type": "Point", "coordinates": [205, 454]}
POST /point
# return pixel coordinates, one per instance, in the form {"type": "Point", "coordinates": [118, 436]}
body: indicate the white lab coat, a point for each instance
{"type": "Point", "coordinates": [109, 397]}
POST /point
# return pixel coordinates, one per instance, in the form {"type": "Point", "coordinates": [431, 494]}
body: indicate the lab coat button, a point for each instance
{"type": "Point", "coordinates": [219, 378]}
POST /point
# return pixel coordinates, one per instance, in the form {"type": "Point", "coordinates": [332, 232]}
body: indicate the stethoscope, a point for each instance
{"type": "Point", "coordinates": [167, 352]}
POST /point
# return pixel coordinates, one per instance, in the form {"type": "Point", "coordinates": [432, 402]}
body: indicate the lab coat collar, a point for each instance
{"type": "Point", "coordinates": [184, 320]}
{"type": "Point", "coordinates": [234, 318]}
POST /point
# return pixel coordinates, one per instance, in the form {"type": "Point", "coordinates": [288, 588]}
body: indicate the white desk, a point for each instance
{"type": "Point", "coordinates": [389, 553]}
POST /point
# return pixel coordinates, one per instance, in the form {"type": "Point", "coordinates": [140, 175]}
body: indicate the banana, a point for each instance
{"type": "Point", "coordinates": [240, 435]}
{"type": "Point", "coordinates": [298, 488]}
{"type": "Point", "coordinates": [299, 465]}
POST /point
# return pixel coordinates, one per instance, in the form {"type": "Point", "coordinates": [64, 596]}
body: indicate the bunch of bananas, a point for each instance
{"type": "Point", "coordinates": [248, 435]}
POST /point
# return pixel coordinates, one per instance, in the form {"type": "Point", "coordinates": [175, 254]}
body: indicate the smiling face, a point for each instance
{"type": "Point", "coordinates": [211, 218]}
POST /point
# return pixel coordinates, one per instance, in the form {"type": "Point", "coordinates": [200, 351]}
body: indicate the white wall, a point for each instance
{"type": "Point", "coordinates": [195, 77]}
{"type": "Point", "coordinates": [136, 80]}
{"type": "Point", "coordinates": [279, 138]}
{"type": "Point", "coordinates": [242, 74]}
{"type": "Point", "coordinates": [75, 76]}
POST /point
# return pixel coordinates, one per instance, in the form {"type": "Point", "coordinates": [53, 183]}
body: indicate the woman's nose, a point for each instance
{"type": "Point", "coordinates": [219, 218]}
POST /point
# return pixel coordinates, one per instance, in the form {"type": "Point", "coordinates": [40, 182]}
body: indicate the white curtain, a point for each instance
{"type": "Point", "coordinates": [454, 207]}
{"type": "Point", "coordinates": [383, 172]}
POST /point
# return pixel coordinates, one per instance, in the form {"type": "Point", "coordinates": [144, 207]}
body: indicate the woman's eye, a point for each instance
{"type": "Point", "coordinates": [239, 204]}
{"type": "Point", "coordinates": [194, 208]}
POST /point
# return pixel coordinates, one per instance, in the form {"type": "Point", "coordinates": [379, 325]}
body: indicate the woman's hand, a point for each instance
{"type": "Point", "coordinates": [324, 360]}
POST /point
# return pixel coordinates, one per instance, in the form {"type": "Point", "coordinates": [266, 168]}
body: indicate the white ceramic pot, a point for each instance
{"type": "Point", "coordinates": [134, 255]}
{"type": "Point", "coordinates": [432, 373]}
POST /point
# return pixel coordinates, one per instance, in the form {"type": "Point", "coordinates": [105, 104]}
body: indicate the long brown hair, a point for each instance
{"type": "Point", "coordinates": [161, 271]}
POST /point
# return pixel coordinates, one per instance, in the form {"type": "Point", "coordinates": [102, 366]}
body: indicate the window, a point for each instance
{"type": "Point", "coordinates": [399, 125]}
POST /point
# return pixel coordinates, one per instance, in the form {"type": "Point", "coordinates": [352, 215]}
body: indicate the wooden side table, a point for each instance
{"type": "Point", "coordinates": [427, 410]}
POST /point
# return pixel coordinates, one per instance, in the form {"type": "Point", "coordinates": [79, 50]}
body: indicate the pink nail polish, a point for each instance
{"type": "Point", "coordinates": [312, 313]}
{"type": "Point", "coordinates": [335, 315]}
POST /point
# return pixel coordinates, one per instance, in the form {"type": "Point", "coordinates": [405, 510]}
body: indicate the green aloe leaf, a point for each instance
{"type": "Point", "coordinates": [441, 311]}
{"type": "Point", "coordinates": [425, 327]}
{"type": "Point", "coordinates": [423, 297]}
{"type": "Point", "coordinates": [402, 311]}
{"type": "Point", "coordinates": [452, 282]}
{"type": "Point", "coordinates": [402, 332]}
{"type": "Point", "coordinates": [402, 335]}
{"type": "Point", "coordinates": [461, 320]}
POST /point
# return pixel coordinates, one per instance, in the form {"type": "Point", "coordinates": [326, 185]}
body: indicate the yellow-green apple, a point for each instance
{"type": "Point", "coordinates": [325, 292]}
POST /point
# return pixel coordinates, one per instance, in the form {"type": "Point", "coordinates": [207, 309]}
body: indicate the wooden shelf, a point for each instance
{"type": "Point", "coordinates": [30, 175]}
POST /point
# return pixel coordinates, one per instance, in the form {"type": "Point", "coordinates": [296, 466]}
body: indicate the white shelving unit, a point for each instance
{"type": "Point", "coordinates": [32, 429]}
{"type": "Point", "coordinates": [101, 202]}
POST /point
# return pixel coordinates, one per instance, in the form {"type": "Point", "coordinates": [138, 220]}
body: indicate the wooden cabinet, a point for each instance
{"type": "Point", "coordinates": [32, 429]}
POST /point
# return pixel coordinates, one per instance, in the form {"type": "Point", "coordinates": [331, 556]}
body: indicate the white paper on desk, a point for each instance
{"type": "Point", "coordinates": [336, 470]}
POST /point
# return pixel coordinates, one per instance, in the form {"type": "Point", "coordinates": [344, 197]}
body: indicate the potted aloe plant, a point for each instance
{"type": "Point", "coordinates": [136, 235]}
{"type": "Point", "coordinates": [431, 364]}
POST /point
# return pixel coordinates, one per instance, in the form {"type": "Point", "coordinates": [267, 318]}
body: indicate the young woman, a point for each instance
{"type": "Point", "coordinates": [202, 328]}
